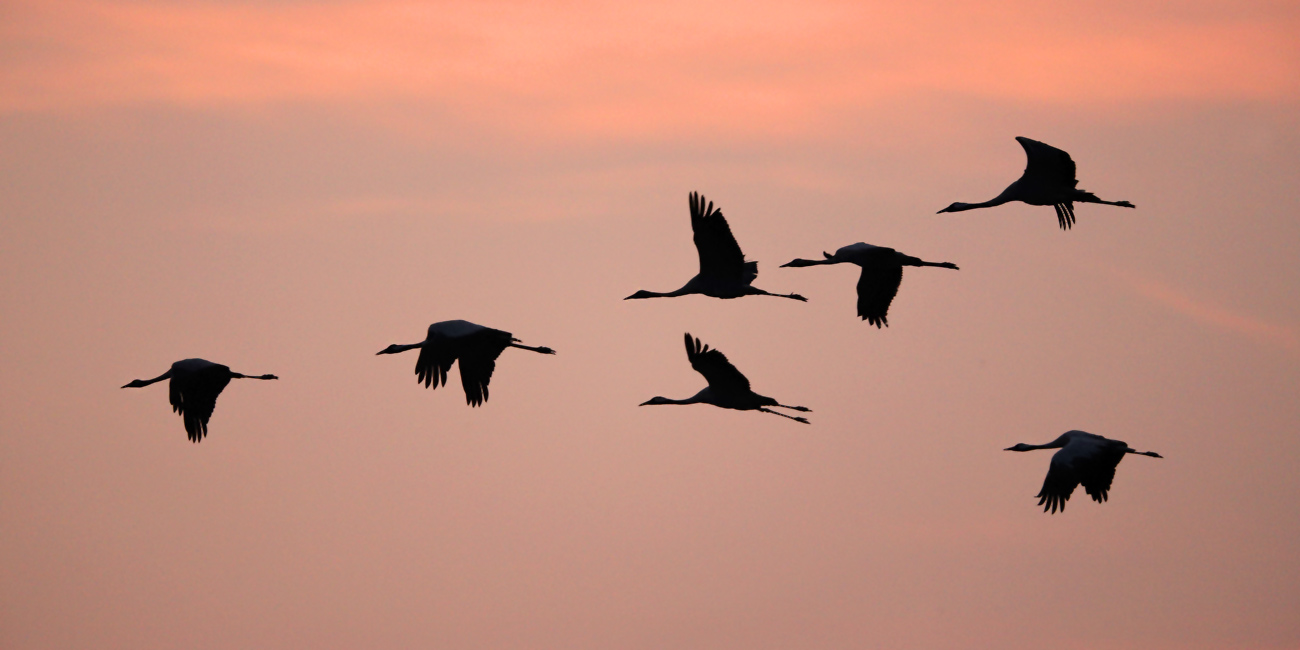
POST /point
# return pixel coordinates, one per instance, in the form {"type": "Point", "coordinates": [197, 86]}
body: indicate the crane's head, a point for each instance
{"type": "Point", "coordinates": [392, 349]}
{"type": "Point", "coordinates": [655, 401]}
{"type": "Point", "coordinates": [641, 294]}
{"type": "Point", "coordinates": [1020, 446]}
{"type": "Point", "coordinates": [955, 207]}
{"type": "Point", "coordinates": [137, 383]}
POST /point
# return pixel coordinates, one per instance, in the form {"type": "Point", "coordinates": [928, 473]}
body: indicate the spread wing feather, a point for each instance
{"type": "Point", "coordinates": [475, 374]}
{"type": "Point", "coordinates": [1097, 475]}
{"type": "Point", "coordinates": [717, 370]}
{"type": "Point", "coordinates": [436, 357]}
{"type": "Point", "coordinates": [1047, 164]}
{"type": "Point", "coordinates": [720, 255]}
{"type": "Point", "coordinates": [194, 396]}
{"type": "Point", "coordinates": [475, 346]}
{"type": "Point", "coordinates": [478, 360]}
{"type": "Point", "coordinates": [877, 286]}
{"type": "Point", "coordinates": [1059, 484]}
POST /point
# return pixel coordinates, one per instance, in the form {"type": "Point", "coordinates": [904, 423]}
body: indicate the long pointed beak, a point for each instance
{"type": "Point", "coordinates": [1009, 449]}
{"type": "Point", "coordinates": [645, 403]}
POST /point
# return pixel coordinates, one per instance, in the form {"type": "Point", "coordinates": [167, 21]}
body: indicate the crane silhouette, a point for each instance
{"type": "Point", "coordinates": [882, 271]}
{"type": "Point", "coordinates": [724, 273]}
{"type": "Point", "coordinates": [727, 388]}
{"type": "Point", "coordinates": [477, 347]}
{"type": "Point", "coordinates": [1049, 179]}
{"type": "Point", "coordinates": [193, 390]}
{"type": "Point", "coordinates": [1084, 458]}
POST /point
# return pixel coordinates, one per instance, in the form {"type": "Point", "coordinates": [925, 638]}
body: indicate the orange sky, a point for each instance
{"type": "Point", "coordinates": [638, 70]}
{"type": "Point", "coordinates": [290, 187]}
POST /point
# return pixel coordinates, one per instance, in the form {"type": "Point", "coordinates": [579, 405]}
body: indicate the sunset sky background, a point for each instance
{"type": "Point", "coordinates": [290, 187]}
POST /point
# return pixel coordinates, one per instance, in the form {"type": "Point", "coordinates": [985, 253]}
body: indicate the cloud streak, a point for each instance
{"type": "Point", "coordinates": [1218, 316]}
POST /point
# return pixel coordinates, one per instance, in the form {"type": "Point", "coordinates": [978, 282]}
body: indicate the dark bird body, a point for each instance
{"type": "Point", "coordinates": [727, 388]}
{"type": "Point", "coordinates": [882, 272]}
{"type": "Point", "coordinates": [724, 273]}
{"type": "Point", "coordinates": [1084, 459]}
{"type": "Point", "coordinates": [1049, 179]}
{"type": "Point", "coordinates": [477, 347]}
{"type": "Point", "coordinates": [193, 390]}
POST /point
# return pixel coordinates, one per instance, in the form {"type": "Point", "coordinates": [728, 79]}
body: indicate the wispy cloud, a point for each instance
{"type": "Point", "coordinates": [1218, 316]}
{"type": "Point", "coordinates": [596, 67]}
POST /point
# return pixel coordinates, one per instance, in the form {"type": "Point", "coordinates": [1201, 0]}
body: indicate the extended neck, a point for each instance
{"type": "Point", "coordinates": [397, 347]}
{"type": "Point", "coordinates": [654, 294]}
{"type": "Point", "coordinates": [1055, 444]}
{"type": "Point", "coordinates": [1006, 196]}
{"type": "Point", "coordinates": [141, 383]}
{"type": "Point", "coordinates": [802, 262]}
{"type": "Point", "coordinates": [962, 207]}
{"type": "Point", "coordinates": [657, 401]}
{"type": "Point", "coordinates": [237, 375]}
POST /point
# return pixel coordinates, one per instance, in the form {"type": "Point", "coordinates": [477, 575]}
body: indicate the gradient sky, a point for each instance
{"type": "Point", "coordinates": [290, 187]}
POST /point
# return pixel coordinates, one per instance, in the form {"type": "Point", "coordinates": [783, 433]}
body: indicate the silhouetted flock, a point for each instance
{"type": "Point", "coordinates": [1049, 179]}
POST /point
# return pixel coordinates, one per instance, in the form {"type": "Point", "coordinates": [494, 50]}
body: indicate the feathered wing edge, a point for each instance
{"type": "Point", "coordinates": [714, 366]}
{"type": "Point", "coordinates": [876, 291]}
{"type": "Point", "coordinates": [719, 253]}
{"type": "Point", "coordinates": [195, 399]}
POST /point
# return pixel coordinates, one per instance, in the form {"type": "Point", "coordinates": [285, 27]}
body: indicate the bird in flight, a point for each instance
{"type": "Point", "coordinates": [1049, 179]}
{"type": "Point", "coordinates": [477, 347]}
{"type": "Point", "coordinates": [724, 273]}
{"type": "Point", "coordinates": [727, 387]}
{"type": "Point", "coordinates": [194, 387]}
{"type": "Point", "coordinates": [882, 272]}
{"type": "Point", "coordinates": [1084, 458]}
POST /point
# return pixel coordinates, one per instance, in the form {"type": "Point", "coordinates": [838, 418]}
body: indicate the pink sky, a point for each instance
{"type": "Point", "coordinates": [290, 187]}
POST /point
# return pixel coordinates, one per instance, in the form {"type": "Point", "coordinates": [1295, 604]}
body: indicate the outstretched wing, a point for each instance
{"type": "Point", "coordinates": [478, 360]}
{"type": "Point", "coordinates": [877, 287]}
{"type": "Point", "coordinates": [1047, 164]}
{"type": "Point", "coordinates": [1098, 473]}
{"type": "Point", "coordinates": [194, 396]}
{"type": "Point", "coordinates": [721, 375]}
{"type": "Point", "coordinates": [1059, 484]}
{"type": "Point", "coordinates": [436, 357]}
{"type": "Point", "coordinates": [720, 255]}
